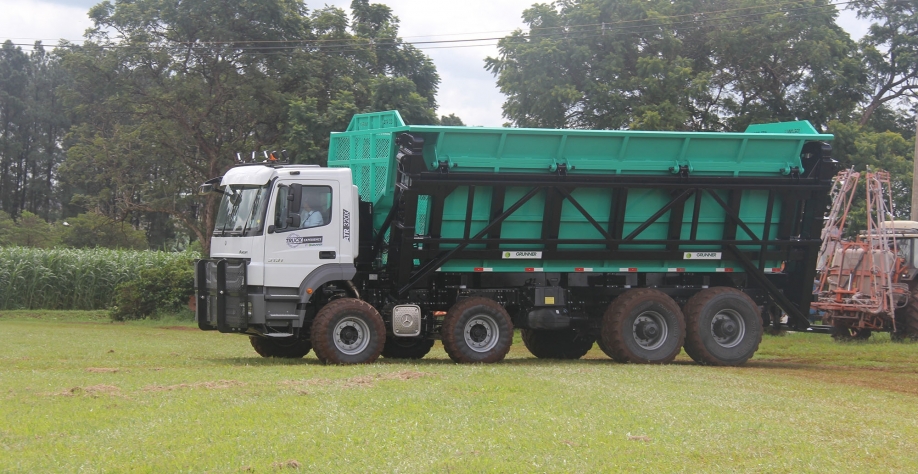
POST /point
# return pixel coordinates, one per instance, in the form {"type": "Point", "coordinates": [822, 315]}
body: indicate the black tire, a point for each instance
{"type": "Point", "coordinates": [602, 346]}
{"type": "Point", "coordinates": [567, 344]}
{"type": "Point", "coordinates": [477, 330]}
{"type": "Point", "coordinates": [907, 318]}
{"type": "Point", "coordinates": [406, 347]}
{"type": "Point", "coordinates": [643, 326]}
{"type": "Point", "coordinates": [723, 327]}
{"type": "Point", "coordinates": [348, 331]}
{"type": "Point", "coordinates": [282, 347]}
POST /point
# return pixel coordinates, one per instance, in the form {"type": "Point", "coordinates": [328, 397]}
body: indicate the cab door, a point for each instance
{"type": "Point", "coordinates": [305, 232]}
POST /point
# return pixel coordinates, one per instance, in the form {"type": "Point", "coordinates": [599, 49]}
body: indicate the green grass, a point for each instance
{"type": "Point", "coordinates": [95, 396]}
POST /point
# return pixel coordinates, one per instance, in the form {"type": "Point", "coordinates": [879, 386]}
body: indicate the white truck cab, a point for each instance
{"type": "Point", "coordinates": [281, 231]}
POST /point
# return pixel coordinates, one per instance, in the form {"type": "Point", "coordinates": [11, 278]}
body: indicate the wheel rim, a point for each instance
{"type": "Point", "coordinates": [351, 335]}
{"type": "Point", "coordinates": [650, 330]}
{"type": "Point", "coordinates": [728, 328]}
{"type": "Point", "coordinates": [481, 333]}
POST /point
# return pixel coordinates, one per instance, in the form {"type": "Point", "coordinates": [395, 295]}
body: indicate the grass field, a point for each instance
{"type": "Point", "coordinates": [81, 394]}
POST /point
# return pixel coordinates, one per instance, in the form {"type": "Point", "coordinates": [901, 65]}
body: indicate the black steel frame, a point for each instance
{"type": "Point", "coordinates": [804, 200]}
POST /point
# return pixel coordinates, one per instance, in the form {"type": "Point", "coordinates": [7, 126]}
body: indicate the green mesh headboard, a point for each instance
{"type": "Point", "coordinates": [366, 149]}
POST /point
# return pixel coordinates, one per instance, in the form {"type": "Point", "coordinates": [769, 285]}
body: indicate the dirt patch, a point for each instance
{"type": "Point", "coordinates": [408, 375]}
{"type": "Point", "coordinates": [92, 391]}
{"type": "Point", "coordinates": [360, 381]}
{"type": "Point", "coordinates": [289, 464]}
{"type": "Point", "coordinates": [893, 379]}
{"type": "Point", "coordinates": [101, 370]}
{"type": "Point", "coordinates": [211, 385]}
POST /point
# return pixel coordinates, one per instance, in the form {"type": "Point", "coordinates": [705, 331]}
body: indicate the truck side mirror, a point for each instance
{"type": "Point", "coordinates": [287, 207]}
{"type": "Point", "coordinates": [294, 198]}
{"type": "Point", "coordinates": [210, 186]}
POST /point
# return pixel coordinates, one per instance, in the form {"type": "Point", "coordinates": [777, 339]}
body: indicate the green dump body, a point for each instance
{"type": "Point", "coordinates": [369, 149]}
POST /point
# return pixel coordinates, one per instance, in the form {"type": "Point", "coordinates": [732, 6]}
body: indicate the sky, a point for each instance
{"type": "Point", "coordinates": [466, 88]}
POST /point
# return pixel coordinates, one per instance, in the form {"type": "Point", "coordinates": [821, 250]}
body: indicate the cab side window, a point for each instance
{"type": "Point", "coordinates": [302, 207]}
{"type": "Point", "coordinates": [315, 207]}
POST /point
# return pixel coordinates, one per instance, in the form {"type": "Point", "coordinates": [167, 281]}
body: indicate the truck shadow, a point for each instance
{"type": "Point", "coordinates": [427, 361]}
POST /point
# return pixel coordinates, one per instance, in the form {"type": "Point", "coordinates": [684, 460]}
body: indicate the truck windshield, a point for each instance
{"type": "Point", "coordinates": [242, 211]}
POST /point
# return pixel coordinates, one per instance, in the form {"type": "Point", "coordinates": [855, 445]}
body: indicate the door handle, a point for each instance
{"type": "Point", "coordinates": [327, 254]}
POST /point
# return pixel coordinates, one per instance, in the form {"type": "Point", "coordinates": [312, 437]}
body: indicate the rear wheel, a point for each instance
{"type": "Point", "coordinates": [643, 326]}
{"type": "Point", "coordinates": [348, 331]}
{"type": "Point", "coordinates": [723, 327]}
{"type": "Point", "coordinates": [283, 347]}
{"type": "Point", "coordinates": [602, 346]}
{"type": "Point", "coordinates": [406, 347]}
{"type": "Point", "coordinates": [907, 319]}
{"type": "Point", "coordinates": [477, 330]}
{"type": "Point", "coordinates": [567, 344]}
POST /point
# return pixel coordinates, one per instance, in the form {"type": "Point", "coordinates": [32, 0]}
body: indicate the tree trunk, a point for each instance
{"type": "Point", "coordinates": [868, 112]}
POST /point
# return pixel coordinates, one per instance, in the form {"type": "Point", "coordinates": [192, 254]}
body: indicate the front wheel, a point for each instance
{"type": "Point", "coordinates": [642, 326]}
{"type": "Point", "coordinates": [348, 331]}
{"type": "Point", "coordinates": [477, 330]}
{"type": "Point", "coordinates": [723, 327]}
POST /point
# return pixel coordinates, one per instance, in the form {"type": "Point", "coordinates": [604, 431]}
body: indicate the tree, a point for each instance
{"type": "Point", "coordinates": [31, 230]}
{"type": "Point", "coordinates": [656, 64]}
{"type": "Point", "coordinates": [362, 66]}
{"type": "Point", "coordinates": [865, 149]}
{"type": "Point", "coordinates": [91, 230]}
{"type": "Point", "coordinates": [451, 120]}
{"type": "Point", "coordinates": [790, 62]}
{"type": "Point", "coordinates": [167, 92]}
{"type": "Point", "coordinates": [890, 51]}
{"type": "Point", "coordinates": [32, 126]}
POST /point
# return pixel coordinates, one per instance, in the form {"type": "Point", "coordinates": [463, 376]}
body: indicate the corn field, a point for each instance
{"type": "Point", "coordinates": [33, 278]}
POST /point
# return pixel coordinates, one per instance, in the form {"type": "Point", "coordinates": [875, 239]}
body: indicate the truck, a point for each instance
{"type": "Point", "coordinates": [642, 242]}
{"type": "Point", "coordinates": [867, 283]}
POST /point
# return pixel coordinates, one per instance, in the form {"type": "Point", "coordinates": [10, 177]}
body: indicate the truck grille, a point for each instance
{"type": "Point", "coordinates": [221, 294]}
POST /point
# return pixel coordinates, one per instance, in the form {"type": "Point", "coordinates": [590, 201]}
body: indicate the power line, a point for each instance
{"type": "Point", "coordinates": [359, 44]}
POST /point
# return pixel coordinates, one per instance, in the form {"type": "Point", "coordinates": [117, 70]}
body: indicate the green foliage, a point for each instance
{"type": "Point", "coordinates": [186, 85]}
{"type": "Point", "coordinates": [32, 125]}
{"type": "Point", "coordinates": [606, 64]}
{"type": "Point", "coordinates": [72, 279]}
{"type": "Point", "coordinates": [28, 231]}
{"type": "Point", "coordinates": [863, 149]}
{"type": "Point", "coordinates": [91, 230]}
{"type": "Point", "coordinates": [451, 120]}
{"type": "Point", "coordinates": [400, 93]}
{"type": "Point", "coordinates": [6, 228]}
{"type": "Point", "coordinates": [155, 290]}
{"type": "Point", "coordinates": [890, 50]}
